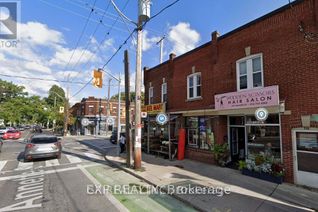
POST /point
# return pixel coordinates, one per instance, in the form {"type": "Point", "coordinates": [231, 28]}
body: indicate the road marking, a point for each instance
{"type": "Point", "coordinates": [73, 159]}
{"type": "Point", "coordinates": [54, 162]}
{"type": "Point", "coordinates": [110, 197]}
{"type": "Point", "coordinates": [24, 166]}
{"type": "Point", "coordinates": [45, 172]}
{"type": "Point", "coordinates": [91, 155]}
{"type": "Point", "coordinates": [2, 164]}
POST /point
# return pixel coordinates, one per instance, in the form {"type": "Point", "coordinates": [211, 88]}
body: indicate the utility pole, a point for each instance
{"type": "Point", "coordinates": [118, 117]}
{"type": "Point", "coordinates": [66, 105]}
{"type": "Point", "coordinates": [100, 116]}
{"type": "Point", "coordinates": [108, 105]}
{"type": "Point", "coordinates": [127, 105]}
{"type": "Point", "coordinates": [161, 48]}
{"type": "Point", "coordinates": [143, 16]}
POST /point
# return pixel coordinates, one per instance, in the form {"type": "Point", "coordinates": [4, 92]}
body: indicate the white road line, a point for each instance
{"type": "Point", "coordinates": [108, 196]}
{"type": "Point", "coordinates": [54, 162]}
{"type": "Point", "coordinates": [24, 166]}
{"type": "Point", "coordinates": [2, 164]}
{"type": "Point", "coordinates": [73, 159]}
{"type": "Point", "coordinates": [44, 172]}
{"type": "Point", "coordinates": [90, 155]}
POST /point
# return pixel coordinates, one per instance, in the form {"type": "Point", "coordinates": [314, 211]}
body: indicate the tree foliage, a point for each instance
{"type": "Point", "coordinates": [132, 96]}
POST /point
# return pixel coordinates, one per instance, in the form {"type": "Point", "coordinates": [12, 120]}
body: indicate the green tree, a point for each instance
{"type": "Point", "coordinates": [56, 96]}
{"type": "Point", "coordinates": [8, 90]}
{"type": "Point", "coordinates": [132, 96]}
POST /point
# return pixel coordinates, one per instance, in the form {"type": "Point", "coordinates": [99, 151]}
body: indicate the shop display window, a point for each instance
{"type": "Point", "coordinates": [199, 132]}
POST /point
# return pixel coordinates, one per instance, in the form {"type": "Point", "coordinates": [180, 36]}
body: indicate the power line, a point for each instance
{"type": "Point", "coordinates": [102, 41]}
{"type": "Point", "coordinates": [42, 79]}
{"type": "Point", "coordinates": [80, 37]}
{"type": "Point", "coordinates": [92, 35]}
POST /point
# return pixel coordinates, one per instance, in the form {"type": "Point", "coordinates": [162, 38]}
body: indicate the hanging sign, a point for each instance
{"type": "Point", "coordinates": [85, 122]}
{"type": "Point", "coordinates": [261, 114]}
{"type": "Point", "coordinates": [161, 118]}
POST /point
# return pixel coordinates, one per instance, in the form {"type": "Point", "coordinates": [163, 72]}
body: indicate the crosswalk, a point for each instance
{"type": "Point", "coordinates": [14, 165]}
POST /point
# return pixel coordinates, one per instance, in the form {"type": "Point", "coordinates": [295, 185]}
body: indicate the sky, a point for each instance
{"type": "Point", "coordinates": [66, 39]}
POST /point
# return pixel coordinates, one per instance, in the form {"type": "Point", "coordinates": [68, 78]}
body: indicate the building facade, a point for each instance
{"type": "Point", "coordinates": [214, 90]}
{"type": "Point", "coordinates": [101, 114]}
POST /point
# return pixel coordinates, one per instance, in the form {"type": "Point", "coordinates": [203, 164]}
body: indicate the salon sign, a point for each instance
{"type": "Point", "coordinates": [261, 97]}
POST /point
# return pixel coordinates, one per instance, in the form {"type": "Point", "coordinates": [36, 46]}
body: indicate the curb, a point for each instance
{"type": "Point", "coordinates": [188, 203]}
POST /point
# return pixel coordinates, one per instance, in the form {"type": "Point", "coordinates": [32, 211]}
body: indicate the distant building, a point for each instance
{"type": "Point", "coordinates": [101, 115]}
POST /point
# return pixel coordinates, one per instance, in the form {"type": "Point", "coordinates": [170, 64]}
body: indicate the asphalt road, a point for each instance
{"type": "Point", "coordinates": [50, 184]}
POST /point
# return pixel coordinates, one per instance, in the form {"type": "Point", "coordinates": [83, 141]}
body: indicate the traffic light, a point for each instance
{"type": "Point", "coordinates": [98, 78]}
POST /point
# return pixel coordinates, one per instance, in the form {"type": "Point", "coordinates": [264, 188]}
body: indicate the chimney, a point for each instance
{"type": "Point", "coordinates": [172, 56]}
{"type": "Point", "coordinates": [215, 36]}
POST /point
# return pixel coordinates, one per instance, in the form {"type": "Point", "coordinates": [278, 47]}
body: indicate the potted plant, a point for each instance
{"type": "Point", "coordinates": [221, 153]}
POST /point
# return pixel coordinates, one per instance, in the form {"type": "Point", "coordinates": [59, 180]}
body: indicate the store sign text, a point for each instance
{"type": "Point", "coordinates": [154, 108]}
{"type": "Point", "coordinates": [263, 97]}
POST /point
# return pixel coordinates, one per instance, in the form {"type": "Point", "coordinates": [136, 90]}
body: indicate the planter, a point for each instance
{"type": "Point", "coordinates": [263, 176]}
{"type": "Point", "coordinates": [271, 178]}
{"type": "Point", "coordinates": [250, 173]}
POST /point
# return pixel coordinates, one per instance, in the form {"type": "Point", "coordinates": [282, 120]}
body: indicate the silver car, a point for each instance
{"type": "Point", "coordinates": [42, 146]}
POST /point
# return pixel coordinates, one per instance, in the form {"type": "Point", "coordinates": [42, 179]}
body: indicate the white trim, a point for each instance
{"type": "Point", "coordinates": [163, 84]}
{"type": "Point", "coordinates": [195, 94]}
{"type": "Point", "coordinates": [295, 162]}
{"type": "Point", "coordinates": [150, 95]}
{"type": "Point", "coordinates": [249, 71]}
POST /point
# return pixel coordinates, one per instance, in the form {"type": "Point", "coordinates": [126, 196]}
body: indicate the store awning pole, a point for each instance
{"type": "Point", "coordinates": [148, 130]}
{"type": "Point", "coordinates": [169, 137]}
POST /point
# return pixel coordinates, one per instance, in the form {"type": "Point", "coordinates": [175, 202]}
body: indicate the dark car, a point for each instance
{"type": "Point", "coordinates": [1, 143]}
{"type": "Point", "coordinates": [113, 137]}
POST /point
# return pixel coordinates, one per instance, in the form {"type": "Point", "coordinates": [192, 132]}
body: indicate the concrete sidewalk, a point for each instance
{"type": "Point", "coordinates": [246, 193]}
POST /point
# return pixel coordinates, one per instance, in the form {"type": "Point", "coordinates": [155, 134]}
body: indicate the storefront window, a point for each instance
{"type": "Point", "coordinates": [263, 138]}
{"type": "Point", "coordinates": [199, 132]}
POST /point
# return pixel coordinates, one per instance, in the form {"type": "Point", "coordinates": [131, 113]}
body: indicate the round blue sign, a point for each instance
{"type": "Point", "coordinates": [161, 118]}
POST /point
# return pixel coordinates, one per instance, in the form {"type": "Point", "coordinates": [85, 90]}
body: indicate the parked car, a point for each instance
{"type": "Point", "coordinates": [113, 137]}
{"type": "Point", "coordinates": [42, 146]}
{"type": "Point", "coordinates": [12, 134]}
{"type": "Point", "coordinates": [3, 130]}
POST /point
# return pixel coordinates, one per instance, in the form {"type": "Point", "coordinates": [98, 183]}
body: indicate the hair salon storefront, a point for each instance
{"type": "Point", "coordinates": [247, 136]}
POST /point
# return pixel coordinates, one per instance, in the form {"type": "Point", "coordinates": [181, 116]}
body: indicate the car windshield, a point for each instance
{"type": "Point", "coordinates": [44, 140]}
{"type": "Point", "coordinates": [12, 131]}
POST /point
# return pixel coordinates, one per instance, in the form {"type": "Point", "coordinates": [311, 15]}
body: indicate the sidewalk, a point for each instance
{"type": "Point", "coordinates": [246, 193]}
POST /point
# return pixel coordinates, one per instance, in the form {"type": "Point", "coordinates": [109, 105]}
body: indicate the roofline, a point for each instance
{"type": "Point", "coordinates": [274, 12]}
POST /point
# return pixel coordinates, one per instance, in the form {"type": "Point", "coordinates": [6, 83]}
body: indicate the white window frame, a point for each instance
{"type": "Point", "coordinates": [150, 95]}
{"type": "Point", "coordinates": [195, 86]}
{"type": "Point", "coordinates": [162, 91]}
{"type": "Point", "coordinates": [249, 71]}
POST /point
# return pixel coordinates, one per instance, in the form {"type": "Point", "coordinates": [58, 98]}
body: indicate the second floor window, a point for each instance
{"type": "Point", "coordinates": [194, 86]}
{"type": "Point", "coordinates": [250, 72]}
{"type": "Point", "coordinates": [150, 99]}
{"type": "Point", "coordinates": [91, 109]}
{"type": "Point", "coordinates": [164, 92]}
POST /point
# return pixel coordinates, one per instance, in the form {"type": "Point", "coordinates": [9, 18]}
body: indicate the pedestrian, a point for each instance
{"type": "Point", "coordinates": [122, 142]}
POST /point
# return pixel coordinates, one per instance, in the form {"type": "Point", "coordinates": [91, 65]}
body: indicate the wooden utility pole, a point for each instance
{"type": "Point", "coordinates": [127, 103]}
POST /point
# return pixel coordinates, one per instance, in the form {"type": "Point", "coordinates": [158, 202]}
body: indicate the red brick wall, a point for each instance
{"type": "Point", "coordinates": [288, 61]}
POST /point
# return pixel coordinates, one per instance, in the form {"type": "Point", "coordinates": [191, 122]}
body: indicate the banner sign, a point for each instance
{"type": "Point", "coordinates": [262, 97]}
{"type": "Point", "coordinates": [154, 108]}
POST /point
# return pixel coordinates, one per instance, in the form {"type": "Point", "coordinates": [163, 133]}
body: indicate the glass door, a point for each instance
{"type": "Point", "coordinates": [306, 157]}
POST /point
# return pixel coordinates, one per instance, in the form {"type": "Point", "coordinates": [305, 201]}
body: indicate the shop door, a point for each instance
{"type": "Point", "coordinates": [306, 157]}
{"type": "Point", "coordinates": [237, 143]}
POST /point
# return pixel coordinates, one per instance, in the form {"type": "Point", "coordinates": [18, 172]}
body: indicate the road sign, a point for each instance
{"type": "Point", "coordinates": [61, 110]}
{"type": "Point", "coordinates": [161, 118]}
{"type": "Point", "coordinates": [110, 121]}
{"type": "Point", "coordinates": [261, 114]}
{"type": "Point", "coordinates": [85, 122]}
{"type": "Point", "coordinates": [143, 114]}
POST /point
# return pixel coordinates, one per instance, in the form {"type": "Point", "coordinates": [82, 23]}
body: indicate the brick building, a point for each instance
{"type": "Point", "coordinates": [97, 111]}
{"type": "Point", "coordinates": [214, 90]}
